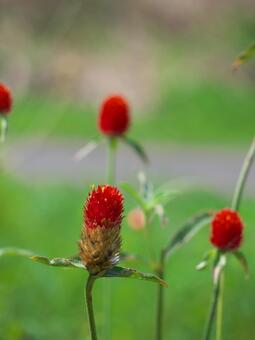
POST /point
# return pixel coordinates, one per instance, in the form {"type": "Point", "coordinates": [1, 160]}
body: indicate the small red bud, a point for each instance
{"type": "Point", "coordinates": [114, 117]}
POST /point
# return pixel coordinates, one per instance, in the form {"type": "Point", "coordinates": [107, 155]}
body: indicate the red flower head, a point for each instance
{"type": "Point", "coordinates": [5, 100]}
{"type": "Point", "coordinates": [104, 208]}
{"type": "Point", "coordinates": [226, 230]}
{"type": "Point", "coordinates": [100, 238]}
{"type": "Point", "coordinates": [114, 117]}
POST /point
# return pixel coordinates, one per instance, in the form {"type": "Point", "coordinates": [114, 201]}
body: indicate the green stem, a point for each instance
{"type": "Point", "coordinates": [160, 298]}
{"type": "Point", "coordinates": [150, 246]}
{"type": "Point", "coordinates": [111, 170]}
{"type": "Point", "coordinates": [89, 302]}
{"type": "Point", "coordinates": [213, 308]}
{"type": "Point", "coordinates": [220, 309]}
{"type": "Point", "coordinates": [3, 128]}
{"type": "Point", "coordinates": [243, 177]}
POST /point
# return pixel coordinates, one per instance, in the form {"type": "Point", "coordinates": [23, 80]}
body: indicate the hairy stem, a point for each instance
{"type": "Point", "coordinates": [238, 192]}
{"type": "Point", "coordinates": [160, 299]}
{"type": "Point", "coordinates": [89, 303]}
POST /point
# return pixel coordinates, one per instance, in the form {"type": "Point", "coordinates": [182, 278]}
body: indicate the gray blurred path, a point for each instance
{"type": "Point", "coordinates": [214, 168]}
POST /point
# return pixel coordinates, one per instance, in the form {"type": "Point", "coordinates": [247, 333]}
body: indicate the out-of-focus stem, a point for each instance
{"type": "Point", "coordinates": [90, 310]}
{"type": "Point", "coordinates": [213, 309]}
{"type": "Point", "coordinates": [160, 298]}
{"type": "Point", "coordinates": [111, 168]}
{"type": "Point", "coordinates": [220, 308]}
{"type": "Point", "coordinates": [238, 192]}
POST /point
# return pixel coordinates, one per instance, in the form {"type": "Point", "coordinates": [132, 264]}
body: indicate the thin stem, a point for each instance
{"type": "Point", "coordinates": [89, 303]}
{"type": "Point", "coordinates": [111, 170]}
{"type": "Point", "coordinates": [243, 177]}
{"type": "Point", "coordinates": [160, 298]}
{"type": "Point", "coordinates": [213, 309]}
{"type": "Point", "coordinates": [220, 309]}
{"type": "Point", "coordinates": [150, 245]}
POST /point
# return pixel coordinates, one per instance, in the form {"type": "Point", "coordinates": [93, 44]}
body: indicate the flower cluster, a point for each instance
{"type": "Point", "coordinates": [100, 239]}
{"type": "Point", "coordinates": [226, 230]}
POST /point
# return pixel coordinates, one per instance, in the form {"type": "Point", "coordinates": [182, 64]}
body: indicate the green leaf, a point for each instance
{"type": "Point", "coordinates": [134, 193]}
{"type": "Point", "coordinates": [86, 150]}
{"type": "Point", "coordinates": [206, 259]}
{"type": "Point", "coordinates": [59, 261]}
{"type": "Point", "coordinates": [244, 56]}
{"type": "Point", "coordinates": [187, 231]}
{"type": "Point", "coordinates": [243, 262]}
{"type": "Point", "coordinates": [133, 274]}
{"type": "Point", "coordinates": [139, 150]}
{"type": "Point", "coordinates": [55, 262]}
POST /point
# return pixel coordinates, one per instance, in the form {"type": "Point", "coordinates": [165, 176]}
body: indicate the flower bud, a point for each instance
{"type": "Point", "coordinates": [100, 238]}
{"type": "Point", "coordinates": [114, 117]}
{"type": "Point", "coordinates": [136, 219]}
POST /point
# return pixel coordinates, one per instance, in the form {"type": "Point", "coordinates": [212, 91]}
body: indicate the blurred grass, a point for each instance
{"type": "Point", "coordinates": [209, 112]}
{"type": "Point", "coordinates": [39, 302]}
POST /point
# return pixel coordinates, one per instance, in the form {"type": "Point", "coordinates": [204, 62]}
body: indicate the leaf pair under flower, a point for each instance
{"type": "Point", "coordinates": [75, 262]}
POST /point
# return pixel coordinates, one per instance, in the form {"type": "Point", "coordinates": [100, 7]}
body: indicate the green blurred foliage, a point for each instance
{"type": "Point", "coordinates": [40, 302]}
{"type": "Point", "coordinates": [212, 113]}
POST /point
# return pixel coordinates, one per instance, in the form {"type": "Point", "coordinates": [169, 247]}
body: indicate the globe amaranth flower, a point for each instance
{"type": "Point", "coordinates": [100, 238]}
{"type": "Point", "coordinates": [5, 100]}
{"type": "Point", "coordinates": [226, 230]}
{"type": "Point", "coordinates": [114, 116]}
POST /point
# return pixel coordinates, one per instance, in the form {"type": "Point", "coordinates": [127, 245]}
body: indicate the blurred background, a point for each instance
{"type": "Point", "coordinates": [194, 115]}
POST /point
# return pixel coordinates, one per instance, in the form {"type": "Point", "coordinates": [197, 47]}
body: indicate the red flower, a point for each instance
{"type": "Point", "coordinates": [103, 208]}
{"type": "Point", "coordinates": [226, 230]}
{"type": "Point", "coordinates": [114, 118]}
{"type": "Point", "coordinates": [5, 100]}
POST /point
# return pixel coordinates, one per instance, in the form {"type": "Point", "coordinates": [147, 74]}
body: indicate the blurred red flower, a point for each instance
{"type": "Point", "coordinates": [226, 230]}
{"type": "Point", "coordinates": [5, 100]}
{"type": "Point", "coordinates": [114, 117]}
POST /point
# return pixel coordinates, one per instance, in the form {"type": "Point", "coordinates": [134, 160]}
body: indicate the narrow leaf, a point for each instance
{"type": "Point", "coordinates": [133, 274]}
{"type": "Point", "coordinates": [139, 150]}
{"type": "Point", "coordinates": [55, 262]}
{"type": "Point", "coordinates": [206, 259]}
{"type": "Point", "coordinates": [59, 261]}
{"type": "Point", "coordinates": [243, 262]}
{"type": "Point", "coordinates": [244, 56]}
{"type": "Point", "coordinates": [187, 231]}
{"type": "Point", "coordinates": [86, 150]}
